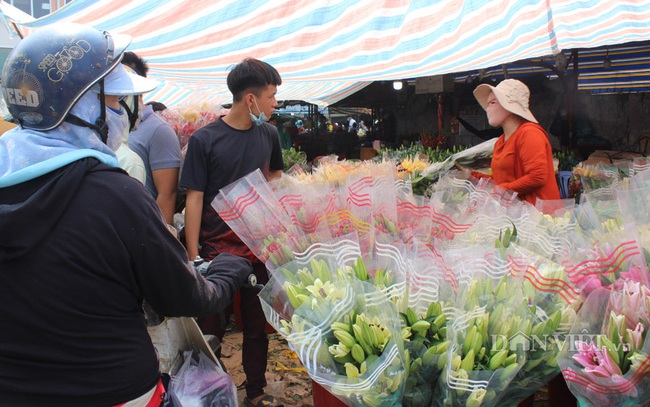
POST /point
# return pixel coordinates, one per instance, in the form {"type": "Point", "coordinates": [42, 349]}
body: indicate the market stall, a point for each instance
{"type": "Point", "coordinates": [461, 296]}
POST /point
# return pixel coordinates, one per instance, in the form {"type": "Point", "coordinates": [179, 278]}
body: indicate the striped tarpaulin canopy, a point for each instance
{"type": "Point", "coordinates": [327, 50]}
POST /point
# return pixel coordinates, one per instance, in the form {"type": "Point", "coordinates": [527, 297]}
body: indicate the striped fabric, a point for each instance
{"type": "Point", "coordinates": [326, 50]}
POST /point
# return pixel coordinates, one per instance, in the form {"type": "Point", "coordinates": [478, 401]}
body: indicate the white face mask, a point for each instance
{"type": "Point", "coordinates": [258, 120]}
{"type": "Point", "coordinates": [118, 125]}
{"type": "Point", "coordinates": [131, 102]}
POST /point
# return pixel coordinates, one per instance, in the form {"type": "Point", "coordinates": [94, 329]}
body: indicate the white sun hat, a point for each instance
{"type": "Point", "coordinates": [123, 81]}
{"type": "Point", "coordinates": [512, 94]}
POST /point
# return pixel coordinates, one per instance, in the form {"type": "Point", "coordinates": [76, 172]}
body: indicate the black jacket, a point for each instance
{"type": "Point", "coordinates": [80, 249]}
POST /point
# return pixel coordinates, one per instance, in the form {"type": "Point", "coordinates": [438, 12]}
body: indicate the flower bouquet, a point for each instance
{"type": "Point", "coordinates": [424, 324]}
{"type": "Point", "coordinates": [293, 157]}
{"type": "Point", "coordinates": [606, 362]}
{"type": "Point", "coordinates": [413, 218]}
{"type": "Point", "coordinates": [610, 250]}
{"type": "Point", "coordinates": [411, 169]}
{"type": "Point", "coordinates": [467, 156]}
{"type": "Point", "coordinates": [481, 358]}
{"type": "Point", "coordinates": [452, 211]}
{"type": "Point", "coordinates": [345, 331]}
{"type": "Point", "coordinates": [185, 120]}
{"type": "Point", "coordinates": [303, 204]}
{"type": "Point", "coordinates": [253, 212]}
{"type": "Point", "coordinates": [491, 321]}
{"type": "Point", "coordinates": [594, 177]}
{"type": "Point", "coordinates": [552, 300]}
{"type": "Point", "coordinates": [639, 165]}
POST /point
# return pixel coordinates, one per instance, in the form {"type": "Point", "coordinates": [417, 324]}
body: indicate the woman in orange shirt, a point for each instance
{"type": "Point", "coordinates": [523, 159]}
{"type": "Point", "coordinates": [522, 162]}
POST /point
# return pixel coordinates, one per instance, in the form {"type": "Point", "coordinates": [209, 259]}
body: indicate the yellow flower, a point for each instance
{"type": "Point", "coordinates": [191, 115]}
{"type": "Point", "coordinates": [413, 166]}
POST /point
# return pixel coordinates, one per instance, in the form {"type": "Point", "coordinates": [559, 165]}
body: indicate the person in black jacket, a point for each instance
{"type": "Point", "coordinates": [82, 244]}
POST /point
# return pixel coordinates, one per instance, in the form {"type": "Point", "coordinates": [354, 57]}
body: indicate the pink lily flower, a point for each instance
{"type": "Point", "coordinates": [630, 301]}
{"type": "Point", "coordinates": [592, 283]}
{"type": "Point", "coordinates": [635, 273]}
{"type": "Point", "coordinates": [596, 361]}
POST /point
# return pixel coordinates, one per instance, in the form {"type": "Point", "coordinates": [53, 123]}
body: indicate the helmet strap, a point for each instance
{"type": "Point", "coordinates": [133, 114]}
{"type": "Point", "coordinates": [101, 120]}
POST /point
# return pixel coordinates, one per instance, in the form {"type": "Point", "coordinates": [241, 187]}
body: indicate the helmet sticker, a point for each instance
{"type": "Point", "coordinates": [59, 64]}
{"type": "Point", "coordinates": [24, 89]}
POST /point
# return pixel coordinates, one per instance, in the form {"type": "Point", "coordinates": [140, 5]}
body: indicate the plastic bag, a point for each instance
{"type": "Point", "coordinates": [253, 212]}
{"type": "Point", "coordinates": [339, 320]}
{"type": "Point", "coordinates": [201, 382]}
{"type": "Point", "coordinates": [605, 359]}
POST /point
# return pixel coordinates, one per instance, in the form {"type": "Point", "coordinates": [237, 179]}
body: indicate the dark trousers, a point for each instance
{"type": "Point", "coordinates": [256, 342]}
{"type": "Point", "coordinates": [558, 394]}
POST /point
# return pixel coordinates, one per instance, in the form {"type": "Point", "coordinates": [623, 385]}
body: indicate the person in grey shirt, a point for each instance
{"type": "Point", "coordinates": [157, 144]}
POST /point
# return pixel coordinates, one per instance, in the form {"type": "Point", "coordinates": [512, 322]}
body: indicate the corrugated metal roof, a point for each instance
{"type": "Point", "coordinates": [628, 70]}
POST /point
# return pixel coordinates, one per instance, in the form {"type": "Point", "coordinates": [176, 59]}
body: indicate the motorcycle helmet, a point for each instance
{"type": "Point", "coordinates": [48, 72]}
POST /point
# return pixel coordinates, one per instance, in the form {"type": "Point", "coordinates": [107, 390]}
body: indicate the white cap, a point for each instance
{"type": "Point", "coordinates": [123, 81]}
{"type": "Point", "coordinates": [120, 43]}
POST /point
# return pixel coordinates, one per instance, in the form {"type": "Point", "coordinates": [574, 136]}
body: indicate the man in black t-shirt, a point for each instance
{"type": "Point", "coordinates": [218, 154]}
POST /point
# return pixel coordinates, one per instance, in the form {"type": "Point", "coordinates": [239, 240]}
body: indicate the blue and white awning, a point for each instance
{"type": "Point", "coordinates": [327, 50]}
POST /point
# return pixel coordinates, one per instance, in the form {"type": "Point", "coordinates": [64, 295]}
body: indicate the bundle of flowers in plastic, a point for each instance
{"type": "Point", "coordinates": [553, 302]}
{"type": "Point", "coordinates": [341, 220]}
{"type": "Point", "coordinates": [341, 323]}
{"type": "Point", "coordinates": [480, 362]}
{"type": "Point", "coordinates": [606, 361]}
{"type": "Point", "coordinates": [452, 211]}
{"type": "Point", "coordinates": [603, 204]}
{"type": "Point", "coordinates": [253, 212]}
{"type": "Point", "coordinates": [484, 353]}
{"type": "Point", "coordinates": [609, 250]}
{"type": "Point", "coordinates": [185, 120]}
{"type": "Point", "coordinates": [414, 218]}
{"type": "Point", "coordinates": [410, 169]}
{"type": "Point", "coordinates": [639, 165]}
{"type": "Point", "coordinates": [469, 155]}
{"type": "Point", "coordinates": [633, 203]}
{"type": "Point", "coordinates": [530, 228]}
{"type": "Point", "coordinates": [366, 204]}
{"type": "Point", "coordinates": [559, 222]}
{"type": "Point", "coordinates": [594, 177]}
{"type": "Point", "coordinates": [424, 324]}
{"type": "Point", "coordinates": [383, 198]}
{"type": "Point", "coordinates": [497, 274]}
{"type": "Point", "coordinates": [304, 205]}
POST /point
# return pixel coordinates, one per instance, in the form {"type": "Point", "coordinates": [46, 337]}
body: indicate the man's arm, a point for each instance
{"type": "Point", "coordinates": [166, 182]}
{"type": "Point", "coordinates": [274, 174]}
{"type": "Point", "coordinates": [193, 211]}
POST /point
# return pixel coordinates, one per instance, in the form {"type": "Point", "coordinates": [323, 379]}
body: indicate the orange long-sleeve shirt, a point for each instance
{"type": "Point", "coordinates": [524, 164]}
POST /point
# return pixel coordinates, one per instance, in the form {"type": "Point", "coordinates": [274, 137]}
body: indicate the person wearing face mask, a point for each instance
{"type": "Point", "coordinates": [156, 142]}
{"type": "Point", "coordinates": [123, 89]}
{"type": "Point", "coordinates": [83, 245]}
{"type": "Point", "coordinates": [523, 159]}
{"type": "Point", "coordinates": [218, 154]}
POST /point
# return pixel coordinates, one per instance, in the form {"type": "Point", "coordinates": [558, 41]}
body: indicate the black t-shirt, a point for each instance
{"type": "Point", "coordinates": [217, 155]}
